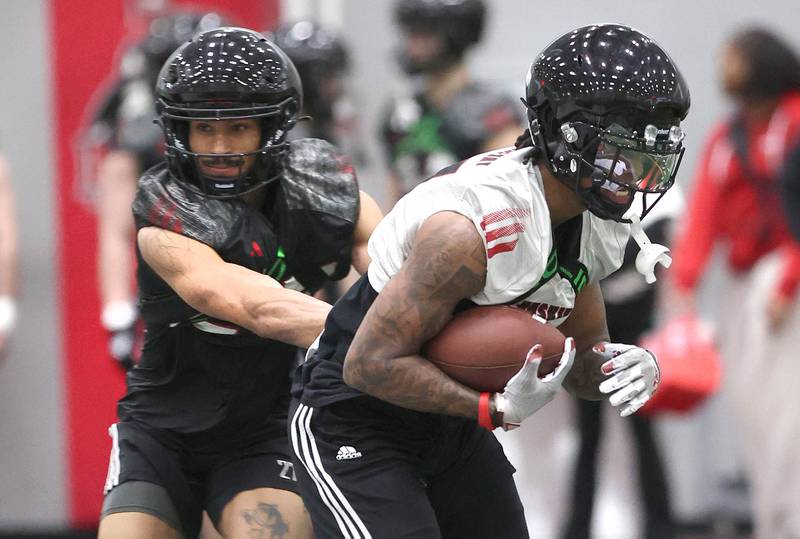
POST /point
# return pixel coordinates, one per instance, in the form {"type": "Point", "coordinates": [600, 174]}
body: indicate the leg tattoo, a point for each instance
{"type": "Point", "coordinates": [266, 521]}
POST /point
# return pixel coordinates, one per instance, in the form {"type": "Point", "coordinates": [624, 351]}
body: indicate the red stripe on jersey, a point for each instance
{"type": "Point", "coordinates": [501, 248]}
{"type": "Point", "coordinates": [499, 215]}
{"type": "Point", "coordinates": [503, 231]}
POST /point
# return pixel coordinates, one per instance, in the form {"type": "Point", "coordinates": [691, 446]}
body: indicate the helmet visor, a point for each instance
{"type": "Point", "coordinates": [635, 163]}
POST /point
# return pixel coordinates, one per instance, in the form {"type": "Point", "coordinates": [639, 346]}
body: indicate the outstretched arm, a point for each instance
{"type": "Point", "coordinates": [231, 292]}
{"type": "Point", "coordinates": [447, 264]}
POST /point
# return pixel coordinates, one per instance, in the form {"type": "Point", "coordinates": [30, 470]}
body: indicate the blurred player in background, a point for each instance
{"type": "Point", "coordinates": [736, 203]}
{"type": "Point", "coordinates": [9, 263]}
{"type": "Point", "coordinates": [235, 229]}
{"type": "Point", "coordinates": [125, 140]}
{"type": "Point", "coordinates": [630, 313]}
{"type": "Point", "coordinates": [322, 61]}
{"type": "Point", "coordinates": [450, 116]}
{"type": "Point", "coordinates": [386, 444]}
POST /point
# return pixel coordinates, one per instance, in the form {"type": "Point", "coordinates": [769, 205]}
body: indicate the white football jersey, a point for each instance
{"type": "Point", "coordinates": [503, 196]}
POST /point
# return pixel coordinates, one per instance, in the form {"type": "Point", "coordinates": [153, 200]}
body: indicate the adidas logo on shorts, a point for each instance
{"type": "Point", "coordinates": [347, 452]}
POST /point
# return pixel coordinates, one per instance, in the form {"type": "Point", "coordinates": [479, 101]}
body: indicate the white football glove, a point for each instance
{"type": "Point", "coordinates": [525, 392]}
{"type": "Point", "coordinates": [634, 375]}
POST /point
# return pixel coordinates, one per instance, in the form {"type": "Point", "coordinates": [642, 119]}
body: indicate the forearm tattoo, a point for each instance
{"type": "Point", "coordinates": [384, 360]}
{"type": "Point", "coordinates": [266, 521]}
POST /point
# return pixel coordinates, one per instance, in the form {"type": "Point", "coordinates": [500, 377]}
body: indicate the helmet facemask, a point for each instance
{"type": "Point", "coordinates": [607, 166]}
{"type": "Point", "coordinates": [257, 168]}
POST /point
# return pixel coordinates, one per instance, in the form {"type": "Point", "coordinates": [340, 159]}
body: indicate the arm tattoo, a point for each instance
{"type": "Point", "coordinates": [447, 264]}
{"type": "Point", "coordinates": [265, 521]}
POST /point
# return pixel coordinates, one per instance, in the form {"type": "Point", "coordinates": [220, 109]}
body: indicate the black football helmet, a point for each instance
{"type": "Point", "coordinates": [459, 22]}
{"type": "Point", "coordinates": [318, 56]}
{"type": "Point", "coordinates": [605, 104]}
{"type": "Point", "coordinates": [223, 74]}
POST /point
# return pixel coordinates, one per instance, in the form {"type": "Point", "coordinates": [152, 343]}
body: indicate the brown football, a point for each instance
{"type": "Point", "coordinates": [484, 347]}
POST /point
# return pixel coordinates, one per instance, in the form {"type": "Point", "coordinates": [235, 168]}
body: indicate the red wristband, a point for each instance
{"type": "Point", "coordinates": [484, 417]}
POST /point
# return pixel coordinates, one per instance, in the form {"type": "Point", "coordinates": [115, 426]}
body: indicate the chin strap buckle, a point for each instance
{"type": "Point", "coordinates": [650, 254]}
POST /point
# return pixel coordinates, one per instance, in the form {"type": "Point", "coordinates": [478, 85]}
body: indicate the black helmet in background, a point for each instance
{"type": "Point", "coordinates": [321, 59]}
{"type": "Point", "coordinates": [605, 104]}
{"type": "Point", "coordinates": [165, 34]}
{"type": "Point", "coordinates": [459, 23]}
{"type": "Point", "coordinates": [225, 74]}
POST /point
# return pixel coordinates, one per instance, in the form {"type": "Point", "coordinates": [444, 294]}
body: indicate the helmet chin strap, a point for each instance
{"type": "Point", "coordinates": [650, 254]}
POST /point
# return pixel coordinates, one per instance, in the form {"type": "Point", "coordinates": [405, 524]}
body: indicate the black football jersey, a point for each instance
{"type": "Point", "coordinates": [201, 374]}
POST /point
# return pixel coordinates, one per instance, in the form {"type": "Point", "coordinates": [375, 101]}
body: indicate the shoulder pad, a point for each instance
{"type": "Point", "coordinates": [164, 203]}
{"type": "Point", "coordinates": [317, 176]}
{"type": "Point", "coordinates": [317, 213]}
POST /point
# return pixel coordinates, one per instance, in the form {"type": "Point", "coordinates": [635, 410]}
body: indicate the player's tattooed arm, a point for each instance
{"type": "Point", "coordinates": [447, 264]}
{"type": "Point", "coordinates": [587, 325]}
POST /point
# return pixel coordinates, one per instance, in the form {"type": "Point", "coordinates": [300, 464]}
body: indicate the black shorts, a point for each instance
{"type": "Point", "coordinates": [369, 469]}
{"type": "Point", "coordinates": [197, 480]}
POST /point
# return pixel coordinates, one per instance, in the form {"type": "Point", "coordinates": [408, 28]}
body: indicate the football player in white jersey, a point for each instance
{"type": "Point", "coordinates": [388, 445]}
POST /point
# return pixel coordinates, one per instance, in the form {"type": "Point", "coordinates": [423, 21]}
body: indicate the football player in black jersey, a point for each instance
{"type": "Point", "coordinates": [235, 229]}
{"type": "Point", "coordinates": [125, 142]}
{"type": "Point", "coordinates": [450, 116]}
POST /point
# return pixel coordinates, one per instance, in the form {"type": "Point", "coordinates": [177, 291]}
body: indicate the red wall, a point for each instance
{"type": "Point", "coordinates": [85, 38]}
